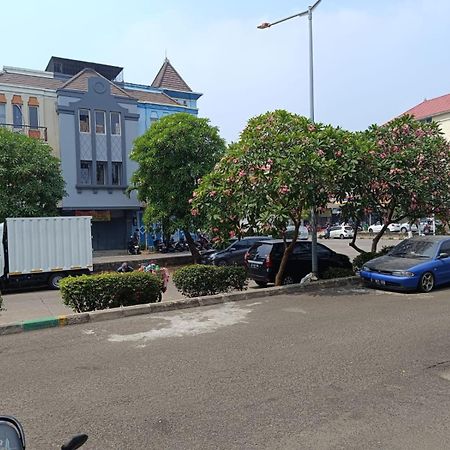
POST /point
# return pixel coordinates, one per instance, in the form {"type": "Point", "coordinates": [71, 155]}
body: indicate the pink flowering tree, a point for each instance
{"type": "Point", "coordinates": [173, 155]}
{"type": "Point", "coordinates": [282, 165]}
{"type": "Point", "coordinates": [401, 170]}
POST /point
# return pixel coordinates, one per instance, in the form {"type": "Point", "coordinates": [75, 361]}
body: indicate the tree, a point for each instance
{"type": "Point", "coordinates": [31, 184]}
{"type": "Point", "coordinates": [173, 155]}
{"type": "Point", "coordinates": [278, 170]}
{"type": "Point", "coordinates": [402, 170]}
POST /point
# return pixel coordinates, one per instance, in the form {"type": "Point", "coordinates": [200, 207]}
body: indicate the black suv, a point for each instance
{"type": "Point", "coordinates": [234, 254]}
{"type": "Point", "coordinates": [264, 258]}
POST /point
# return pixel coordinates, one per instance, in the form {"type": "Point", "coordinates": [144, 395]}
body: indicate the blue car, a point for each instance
{"type": "Point", "coordinates": [419, 263]}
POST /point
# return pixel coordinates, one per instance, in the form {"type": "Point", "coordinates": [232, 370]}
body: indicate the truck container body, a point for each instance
{"type": "Point", "coordinates": [40, 247]}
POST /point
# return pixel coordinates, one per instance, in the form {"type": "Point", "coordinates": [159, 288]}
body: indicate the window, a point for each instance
{"type": "Point", "coordinates": [153, 117]}
{"type": "Point", "coordinates": [323, 252]}
{"type": "Point", "coordinates": [2, 113]}
{"type": "Point", "coordinates": [117, 173]}
{"type": "Point", "coordinates": [115, 123]}
{"type": "Point", "coordinates": [17, 116]}
{"type": "Point", "coordinates": [445, 247]}
{"type": "Point", "coordinates": [101, 172]}
{"type": "Point", "coordinates": [33, 113]}
{"type": "Point", "coordinates": [86, 172]}
{"type": "Point", "coordinates": [84, 121]}
{"type": "Point", "coordinates": [302, 248]}
{"type": "Point", "coordinates": [100, 122]}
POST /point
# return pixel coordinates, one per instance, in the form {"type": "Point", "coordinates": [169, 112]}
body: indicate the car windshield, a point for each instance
{"type": "Point", "coordinates": [415, 249]}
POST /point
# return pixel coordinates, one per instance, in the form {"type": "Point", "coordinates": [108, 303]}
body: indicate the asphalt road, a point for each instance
{"type": "Point", "coordinates": [359, 369]}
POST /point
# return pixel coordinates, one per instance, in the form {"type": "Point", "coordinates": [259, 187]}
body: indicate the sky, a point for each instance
{"type": "Point", "coordinates": [373, 59]}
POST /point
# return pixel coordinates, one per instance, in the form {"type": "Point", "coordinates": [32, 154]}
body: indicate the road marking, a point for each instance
{"type": "Point", "coordinates": [189, 324]}
{"type": "Point", "coordinates": [295, 310]}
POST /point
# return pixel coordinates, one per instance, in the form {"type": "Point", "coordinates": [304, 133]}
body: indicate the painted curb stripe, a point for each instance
{"type": "Point", "coordinates": [45, 322]}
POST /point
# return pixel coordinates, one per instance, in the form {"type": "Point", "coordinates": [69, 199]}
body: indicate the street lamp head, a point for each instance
{"type": "Point", "coordinates": [263, 25]}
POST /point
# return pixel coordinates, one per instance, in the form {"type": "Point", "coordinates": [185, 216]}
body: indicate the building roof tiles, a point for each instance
{"type": "Point", "coordinates": [169, 78]}
{"type": "Point", "coordinates": [430, 108]}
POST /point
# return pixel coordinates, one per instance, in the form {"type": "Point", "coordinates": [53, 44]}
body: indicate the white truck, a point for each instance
{"type": "Point", "coordinates": [42, 250]}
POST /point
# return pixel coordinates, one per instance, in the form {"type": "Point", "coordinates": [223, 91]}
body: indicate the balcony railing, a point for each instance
{"type": "Point", "coordinates": [34, 132]}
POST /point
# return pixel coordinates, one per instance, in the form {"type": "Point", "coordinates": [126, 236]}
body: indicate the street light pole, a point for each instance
{"type": "Point", "coordinates": [308, 12]}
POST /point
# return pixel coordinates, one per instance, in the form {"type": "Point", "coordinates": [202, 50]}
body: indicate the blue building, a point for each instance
{"type": "Point", "coordinates": [91, 117]}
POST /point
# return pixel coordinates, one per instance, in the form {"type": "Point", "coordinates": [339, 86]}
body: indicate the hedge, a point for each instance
{"type": "Point", "coordinates": [362, 258]}
{"type": "Point", "coordinates": [110, 290]}
{"type": "Point", "coordinates": [197, 280]}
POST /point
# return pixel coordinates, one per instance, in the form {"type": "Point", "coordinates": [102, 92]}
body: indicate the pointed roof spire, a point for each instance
{"type": "Point", "coordinates": [169, 78]}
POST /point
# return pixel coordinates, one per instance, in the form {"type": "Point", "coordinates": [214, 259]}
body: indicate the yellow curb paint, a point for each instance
{"type": "Point", "coordinates": [62, 321]}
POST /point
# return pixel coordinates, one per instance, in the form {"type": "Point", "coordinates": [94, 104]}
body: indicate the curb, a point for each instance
{"type": "Point", "coordinates": [150, 308]}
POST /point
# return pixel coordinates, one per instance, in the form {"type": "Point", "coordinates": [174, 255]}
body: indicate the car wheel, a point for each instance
{"type": "Point", "coordinates": [404, 230]}
{"type": "Point", "coordinates": [53, 281]}
{"type": "Point", "coordinates": [261, 283]}
{"type": "Point", "coordinates": [426, 283]}
{"type": "Point", "coordinates": [342, 236]}
{"type": "Point", "coordinates": [370, 230]}
{"type": "Point", "coordinates": [221, 263]}
{"type": "Point", "coordinates": [288, 279]}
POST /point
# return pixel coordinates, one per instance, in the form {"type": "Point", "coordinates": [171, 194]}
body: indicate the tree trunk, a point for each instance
{"type": "Point", "coordinates": [284, 259]}
{"type": "Point", "coordinates": [192, 247]}
{"type": "Point", "coordinates": [380, 234]}
{"type": "Point", "coordinates": [355, 233]}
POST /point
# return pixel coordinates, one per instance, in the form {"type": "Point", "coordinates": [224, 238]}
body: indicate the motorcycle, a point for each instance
{"type": "Point", "coordinates": [181, 246]}
{"type": "Point", "coordinates": [133, 247]}
{"type": "Point", "coordinates": [12, 436]}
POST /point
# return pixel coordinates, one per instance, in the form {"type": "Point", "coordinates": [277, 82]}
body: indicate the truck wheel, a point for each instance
{"type": "Point", "coordinates": [55, 278]}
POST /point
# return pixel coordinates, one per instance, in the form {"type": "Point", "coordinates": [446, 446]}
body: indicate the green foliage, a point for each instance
{"type": "Point", "coordinates": [31, 183]}
{"type": "Point", "coordinates": [362, 258]}
{"type": "Point", "coordinates": [280, 168]}
{"type": "Point", "coordinates": [337, 272]}
{"type": "Point", "coordinates": [396, 170]}
{"type": "Point", "coordinates": [198, 280]}
{"type": "Point", "coordinates": [109, 290]}
{"type": "Point", "coordinates": [173, 154]}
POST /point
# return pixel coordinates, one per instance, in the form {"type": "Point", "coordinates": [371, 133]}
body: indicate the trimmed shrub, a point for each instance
{"type": "Point", "coordinates": [362, 258]}
{"type": "Point", "coordinates": [197, 280]}
{"type": "Point", "coordinates": [337, 272]}
{"type": "Point", "coordinates": [110, 290]}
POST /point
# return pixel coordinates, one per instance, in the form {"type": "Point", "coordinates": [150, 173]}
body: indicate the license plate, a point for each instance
{"type": "Point", "coordinates": [380, 282]}
{"type": "Point", "coordinates": [254, 266]}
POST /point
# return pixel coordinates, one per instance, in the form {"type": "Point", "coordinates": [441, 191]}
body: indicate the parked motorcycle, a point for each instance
{"type": "Point", "coordinates": [12, 436]}
{"type": "Point", "coordinates": [163, 248]}
{"type": "Point", "coordinates": [133, 246]}
{"type": "Point", "coordinates": [203, 243]}
{"type": "Point", "coordinates": [181, 246]}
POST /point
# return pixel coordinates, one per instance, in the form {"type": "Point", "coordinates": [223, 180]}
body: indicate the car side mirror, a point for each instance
{"type": "Point", "coordinates": [443, 255]}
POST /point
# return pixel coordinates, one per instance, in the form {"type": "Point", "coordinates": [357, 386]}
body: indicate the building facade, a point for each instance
{"type": "Point", "coordinates": [90, 117]}
{"type": "Point", "coordinates": [437, 110]}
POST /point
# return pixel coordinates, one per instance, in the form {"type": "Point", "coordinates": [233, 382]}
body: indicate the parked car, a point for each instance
{"type": "Point", "coordinates": [234, 254]}
{"type": "Point", "coordinates": [419, 263]}
{"type": "Point", "coordinates": [303, 233]}
{"type": "Point", "coordinates": [392, 227]}
{"type": "Point", "coordinates": [405, 227]}
{"type": "Point", "coordinates": [263, 261]}
{"type": "Point", "coordinates": [341, 232]}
